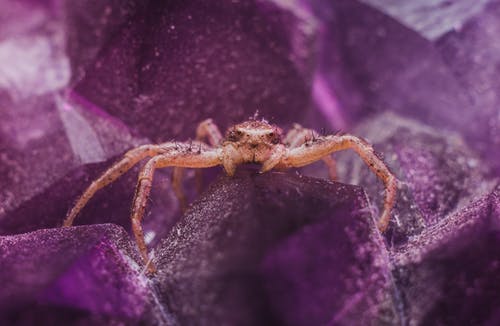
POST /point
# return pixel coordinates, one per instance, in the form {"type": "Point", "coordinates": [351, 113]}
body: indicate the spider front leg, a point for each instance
{"type": "Point", "coordinates": [131, 158]}
{"type": "Point", "coordinates": [205, 130]}
{"type": "Point", "coordinates": [183, 158]}
{"type": "Point", "coordinates": [299, 135]}
{"type": "Point", "coordinates": [322, 146]}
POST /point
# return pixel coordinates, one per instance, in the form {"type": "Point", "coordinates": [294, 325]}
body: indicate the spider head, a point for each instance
{"type": "Point", "coordinates": [254, 133]}
{"type": "Point", "coordinates": [254, 139]}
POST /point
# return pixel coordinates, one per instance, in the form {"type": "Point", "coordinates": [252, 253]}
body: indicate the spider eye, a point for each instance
{"type": "Point", "coordinates": [234, 135]}
{"type": "Point", "coordinates": [274, 138]}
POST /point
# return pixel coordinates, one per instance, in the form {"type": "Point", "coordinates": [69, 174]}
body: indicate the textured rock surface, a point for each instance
{"type": "Point", "coordinates": [273, 249]}
{"type": "Point", "coordinates": [449, 83]}
{"type": "Point", "coordinates": [449, 274]}
{"type": "Point", "coordinates": [438, 173]}
{"type": "Point", "coordinates": [78, 275]}
{"type": "Point", "coordinates": [197, 59]}
{"type": "Point", "coordinates": [431, 18]}
{"type": "Point", "coordinates": [82, 82]}
{"type": "Point", "coordinates": [472, 54]}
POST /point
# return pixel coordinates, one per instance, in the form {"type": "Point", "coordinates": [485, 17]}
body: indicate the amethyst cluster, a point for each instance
{"type": "Point", "coordinates": [82, 82]}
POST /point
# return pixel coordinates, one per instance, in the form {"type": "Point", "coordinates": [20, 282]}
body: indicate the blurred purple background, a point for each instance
{"type": "Point", "coordinates": [82, 82]}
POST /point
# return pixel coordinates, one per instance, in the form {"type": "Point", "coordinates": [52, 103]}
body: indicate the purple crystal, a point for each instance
{"type": "Point", "coordinates": [472, 55]}
{"type": "Point", "coordinates": [438, 173]}
{"type": "Point", "coordinates": [431, 18]}
{"type": "Point", "coordinates": [173, 65]}
{"type": "Point", "coordinates": [448, 83]}
{"type": "Point", "coordinates": [77, 275]}
{"type": "Point", "coordinates": [263, 249]}
{"type": "Point", "coordinates": [83, 82]}
{"type": "Point", "coordinates": [449, 274]}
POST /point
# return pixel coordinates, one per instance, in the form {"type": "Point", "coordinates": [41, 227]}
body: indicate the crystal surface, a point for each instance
{"type": "Point", "coordinates": [275, 248]}
{"type": "Point", "coordinates": [73, 276]}
{"type": "Point", "coordinates": [83, 82]}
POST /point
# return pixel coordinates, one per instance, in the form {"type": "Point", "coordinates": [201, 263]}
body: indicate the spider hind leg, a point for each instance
{"type": "Point", "coordinates": [206, 129]}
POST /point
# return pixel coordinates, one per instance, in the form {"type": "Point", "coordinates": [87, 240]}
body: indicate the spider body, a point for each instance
{"type": "Point", "coordinates": [252, 141]}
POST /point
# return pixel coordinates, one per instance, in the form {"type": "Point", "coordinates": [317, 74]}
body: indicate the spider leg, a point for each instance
{"type": "Point", "coordinates": [130, 158]}
{"type": "Point", "coordinates": [209, 130]}
{"type": "Point", "coordinates": [180, 158]}
{"type": "Point", "coordinates": [177, 176]}
{"type": "Point", "coordinates": [274, 159]}
{"type": "Point", "coordinates": [205, 130]}
{"type": "Point", "coordinates": [299, 135]}
{"type": "Point", "coordinates": [322, 146]}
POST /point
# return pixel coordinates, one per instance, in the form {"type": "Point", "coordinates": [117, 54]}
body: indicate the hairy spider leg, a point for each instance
{"type": "Point", "coordinates": [202, 159]}
{"type": "Point", "coordinates": [298, 135]}
{"type": "Point", "coordinates": [206, 130]}
{"type": "Point", "coordinates": [304, 155]}
{"type": "Point", "coordinates": [177, 176]}
{"type": "Point", "coordinates": [130, 159]}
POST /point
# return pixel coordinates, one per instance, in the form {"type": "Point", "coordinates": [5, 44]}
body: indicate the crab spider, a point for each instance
{"type": "Point", "coordinates": [252, 141]}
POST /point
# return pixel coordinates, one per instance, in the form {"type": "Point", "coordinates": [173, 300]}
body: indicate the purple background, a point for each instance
{"type": "Point", "coordinates": [82, 82]}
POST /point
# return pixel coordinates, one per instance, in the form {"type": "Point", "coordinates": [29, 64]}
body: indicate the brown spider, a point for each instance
{"type": "Point", "coordinates": [248, 142]}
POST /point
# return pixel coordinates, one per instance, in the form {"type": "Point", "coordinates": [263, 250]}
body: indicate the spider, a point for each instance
{"type": "Point", "coordinates": [253, 141]}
